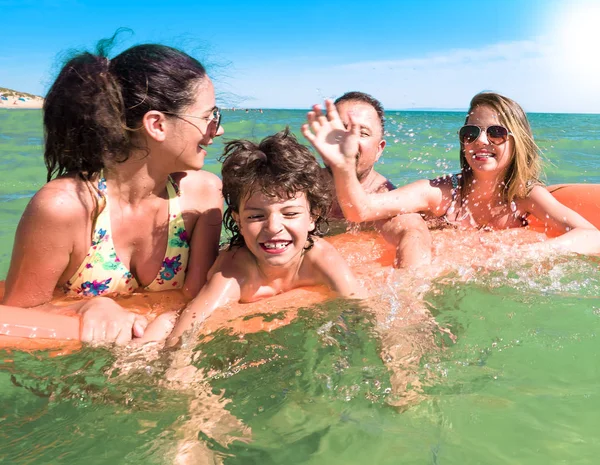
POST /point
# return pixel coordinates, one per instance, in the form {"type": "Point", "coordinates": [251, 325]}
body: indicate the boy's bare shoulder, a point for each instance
{"type": "Point", "coordinates": [234, 262]}
{"type": "Point", "coordinates": [322, 251]}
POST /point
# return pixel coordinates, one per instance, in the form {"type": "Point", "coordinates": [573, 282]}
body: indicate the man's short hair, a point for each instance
{"type": "Point", "coordinates": [356, 96]}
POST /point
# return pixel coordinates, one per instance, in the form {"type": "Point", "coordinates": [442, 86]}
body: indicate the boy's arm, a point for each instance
{"type": "Point", "coordinates": [336, 273]}
{"type": "Point", "coordinates": [221, 288]}
{"type": "Point", "coordinates": [338, 148]}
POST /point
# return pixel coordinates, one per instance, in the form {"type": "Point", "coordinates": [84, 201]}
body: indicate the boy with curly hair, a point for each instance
{"type": "Point", "coordinates": [277, 200]}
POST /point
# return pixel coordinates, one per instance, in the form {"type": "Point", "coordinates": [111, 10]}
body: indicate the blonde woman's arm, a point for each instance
{"type": "Point", "coordinates": [579, 235]}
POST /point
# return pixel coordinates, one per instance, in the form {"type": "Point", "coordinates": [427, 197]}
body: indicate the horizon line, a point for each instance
{"type": "Point", "coordinates": [428, 109]}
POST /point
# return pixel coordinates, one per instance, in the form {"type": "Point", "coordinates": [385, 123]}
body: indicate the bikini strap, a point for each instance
{"type": "Point", "coordinates": [101, 200]}
{"type": "Point", "coordinates": [101, 184]}
{"type": "Point", "coordinates": [455, 184]}
{"type": "Point", "coordinates": [175, 186]}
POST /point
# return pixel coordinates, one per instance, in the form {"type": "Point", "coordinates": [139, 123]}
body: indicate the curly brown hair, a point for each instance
{"type": "Point", "coordinates": [279, 167]}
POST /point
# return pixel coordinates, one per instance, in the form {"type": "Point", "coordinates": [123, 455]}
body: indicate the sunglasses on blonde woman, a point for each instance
{"type": "Point", "coordinates": [496, 134]}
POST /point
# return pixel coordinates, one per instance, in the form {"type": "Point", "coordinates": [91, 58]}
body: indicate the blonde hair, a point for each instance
{"type": "Point", "coordinates": [525, 167]}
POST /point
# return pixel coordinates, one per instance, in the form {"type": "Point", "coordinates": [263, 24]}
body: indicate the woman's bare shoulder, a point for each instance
{"type": "Point", "coordinates": [441, 182]}
{"type": "Point", "coordinates": [198, 181]}
{"type": "Point", "coordinates": [67, 197]}
{"type": "Point", "coordinates": [200, 190]}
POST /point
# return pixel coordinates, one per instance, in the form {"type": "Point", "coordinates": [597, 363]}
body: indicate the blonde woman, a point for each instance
{"type": "Point", "coordinates": [498, 186]}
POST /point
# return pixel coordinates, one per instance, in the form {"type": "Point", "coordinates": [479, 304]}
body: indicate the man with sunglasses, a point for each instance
{"type": "Point", "coordinates": [408, 233]}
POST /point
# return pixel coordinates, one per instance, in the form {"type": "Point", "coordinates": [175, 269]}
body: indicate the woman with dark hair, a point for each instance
{"type": "Point", "coordinates": [128, 208]}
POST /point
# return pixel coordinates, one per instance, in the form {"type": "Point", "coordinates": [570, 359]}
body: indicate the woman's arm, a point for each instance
{"type": "Point", "coordinates": [43, 245]}
{"type": "Point", "coordinates": [44, 242]}
{"type": "Point", "coordinates": [204, 243]}
{"type": "Point", "coordinates": [339, 147]}
{"type": "Point", "coordinates": [580, 236]}
{"type": "Point", "coordinates": [92, 320]}
{"type": "Point", "coordinates": [35, 323]}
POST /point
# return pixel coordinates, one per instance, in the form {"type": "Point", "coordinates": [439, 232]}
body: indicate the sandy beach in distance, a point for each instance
{"type": "Point", "coordinates": [29, 103]}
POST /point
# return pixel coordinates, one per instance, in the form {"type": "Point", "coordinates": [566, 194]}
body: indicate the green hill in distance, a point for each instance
{"type": "Point", "coordinates": [15, 93]}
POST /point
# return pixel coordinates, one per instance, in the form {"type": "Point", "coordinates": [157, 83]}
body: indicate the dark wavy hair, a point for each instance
{"type": "Point", "coordinates": [279, 167]}
{"type": "Point", "coordinates": [355, 96]}
{"type": "Point", "coordinates": [95, 106]}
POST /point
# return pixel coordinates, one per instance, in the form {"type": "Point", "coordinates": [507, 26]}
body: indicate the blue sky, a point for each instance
{"type": "Point", "coordinates": [409, 54]}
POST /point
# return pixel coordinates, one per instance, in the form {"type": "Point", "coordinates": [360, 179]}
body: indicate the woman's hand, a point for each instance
{"type": "Point", "coordinates": [104, 321]}
{"type": "Point", "coordinates": [337, 145]}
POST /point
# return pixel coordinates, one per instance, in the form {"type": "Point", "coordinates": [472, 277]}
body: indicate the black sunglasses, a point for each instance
{"type": "Point", "coordinates": [495, 134]}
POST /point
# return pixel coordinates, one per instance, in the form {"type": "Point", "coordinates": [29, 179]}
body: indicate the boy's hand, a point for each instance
{"type": "Point", "coordinates": [337, 145]}
{"type": "Point", "coordinates": [159, 328]}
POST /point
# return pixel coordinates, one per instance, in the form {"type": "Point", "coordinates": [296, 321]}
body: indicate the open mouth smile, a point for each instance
{"type": "Point", "coordinates": [275, 247]}
{"type": "Point", "coordinates": [482, 155]}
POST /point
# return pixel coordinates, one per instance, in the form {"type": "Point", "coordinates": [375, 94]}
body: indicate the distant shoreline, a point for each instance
{"type": "Point", "coordinates": [17, 102]}
{"type": "Point", "coordinates": [37, 103]}
{"type": "Point", "coordinates": [252, 109]}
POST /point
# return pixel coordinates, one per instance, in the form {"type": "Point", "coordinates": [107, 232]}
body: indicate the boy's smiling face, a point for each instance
{"type": "Point", "coordinates": [275, 230]}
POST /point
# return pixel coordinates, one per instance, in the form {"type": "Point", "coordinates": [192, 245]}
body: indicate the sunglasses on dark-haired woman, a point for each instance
{"type": "Point", "coordinates": [215, 116]}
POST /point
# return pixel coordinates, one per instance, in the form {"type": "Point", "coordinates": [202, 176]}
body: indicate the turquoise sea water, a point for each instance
{"type": "Point", "coordinates": [516, 383]}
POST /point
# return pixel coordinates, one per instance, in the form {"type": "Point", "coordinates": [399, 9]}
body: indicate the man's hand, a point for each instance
{"type": "Point", "coordinates": [337, 145]}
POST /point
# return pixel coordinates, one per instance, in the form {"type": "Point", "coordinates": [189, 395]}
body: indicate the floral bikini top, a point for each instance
{"type": "Point", "coordinates": [102, 272]}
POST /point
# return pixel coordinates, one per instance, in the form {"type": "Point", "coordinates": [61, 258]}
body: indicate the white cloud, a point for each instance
{"type": "Point", "coordinates": [457, 57]}
{"type": "Point", "coordinates": [536, 73]}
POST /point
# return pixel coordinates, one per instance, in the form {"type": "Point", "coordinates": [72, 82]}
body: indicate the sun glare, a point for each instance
{"type": "Point", "coordinates": [578, 35]}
